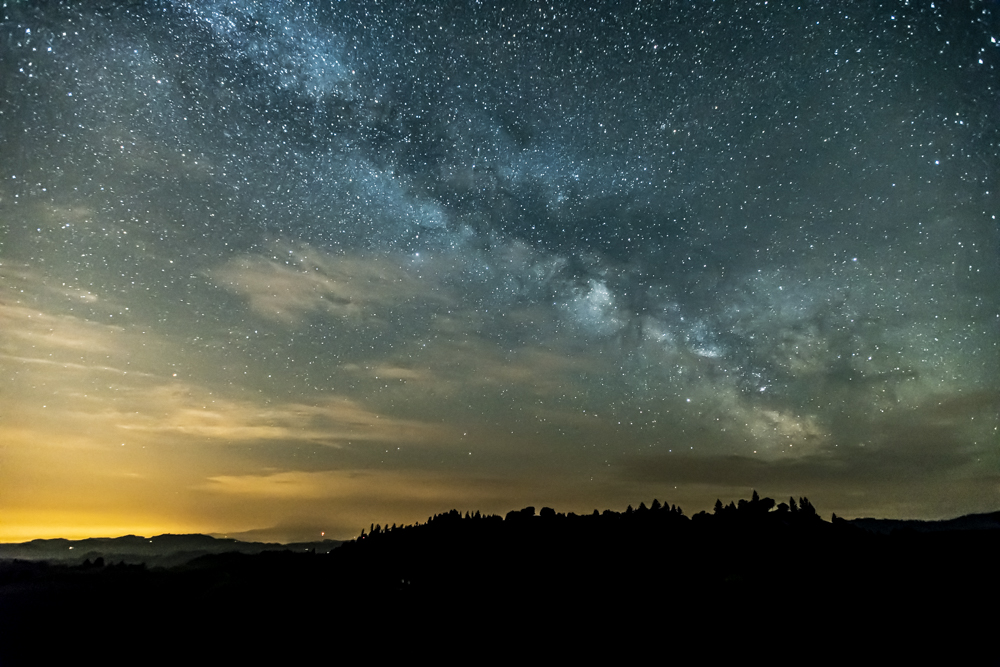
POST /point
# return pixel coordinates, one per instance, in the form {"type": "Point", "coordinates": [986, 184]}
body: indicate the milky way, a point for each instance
{"type": "Point", "coordinates": [292, 268]}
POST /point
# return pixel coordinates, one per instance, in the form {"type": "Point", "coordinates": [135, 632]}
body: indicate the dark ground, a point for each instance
{"type": "Point", "coordinates": [743, 582]}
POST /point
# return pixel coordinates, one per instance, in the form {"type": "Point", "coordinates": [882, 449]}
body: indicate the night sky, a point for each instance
{"type": "Point", "coordinates": [273, 269]}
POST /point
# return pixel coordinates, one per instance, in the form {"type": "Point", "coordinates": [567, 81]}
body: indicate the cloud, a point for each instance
{"type": "Point", "coordinates": [293, 484]}
{"type": "Point", "coordinates": [391, 372]}
{"type": "Point", "coordinates": [913, 446]}
{"type": "Point", "coordinates": [20, 276]}
{"type": "Point", "coordinates": [955, 408]}
{"type": "Point", "coordinates": [189, 411]}
{"type": "Point", "coordinates": [70, 366]}
{"type": "Point", "coordinates": [389, 486]}
{"type": "Point", "coordinates": [296, 281]}
{"type": "Point", "coordinates": [27, 328]}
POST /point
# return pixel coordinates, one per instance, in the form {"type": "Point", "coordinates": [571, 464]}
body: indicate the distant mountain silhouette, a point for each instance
{"type": "Point", "coordinates": [988, 521]}
{"type": "Point", "coordinates": [161, 550]}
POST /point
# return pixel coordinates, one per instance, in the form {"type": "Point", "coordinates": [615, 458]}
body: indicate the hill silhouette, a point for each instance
{"type": "Point", "coordinates": [754, 575]}
{"type": "Point", "coordinates": [158, 551]}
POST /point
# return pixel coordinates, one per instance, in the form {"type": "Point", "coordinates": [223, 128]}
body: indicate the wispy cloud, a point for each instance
{"type": "Point", "coordinates": [292, 282]}
{"type": "Point", "coordinates": [31, 328]}
{"type": "Point", "coordinates": [20, 276]}
{"type": "Point", "coordinates": [189, 411]}
{"type": "Point", "coordinates": [391, 485]}
{"type": "Point", "coordinates": [71, 366]}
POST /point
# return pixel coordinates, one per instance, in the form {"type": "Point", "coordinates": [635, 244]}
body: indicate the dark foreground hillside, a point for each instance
{"type": "Point", "coordinates": [749, 579]}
